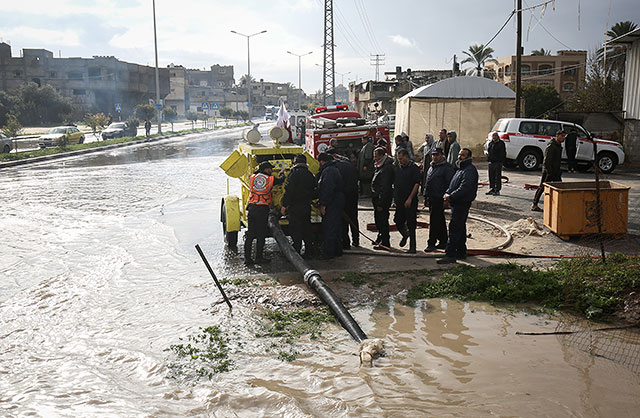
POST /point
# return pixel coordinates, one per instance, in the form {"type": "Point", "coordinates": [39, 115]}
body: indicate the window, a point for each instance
{"type": "Point", "coordinates": [78, 92]}
{"type": "Point", "coordinates": [173, 75]}
{"type": "Point", "coordinates": [548, 128]}
{"type": "Point", "coordinates": [74, 75]}
{"type": "Point", "coordinates": [571, 70]}
{"type": "Point", "coordinates": [545, 83]}
{"type": "Point", "coordinates": [500, 72]}
{"type": "Point", "coordinates": [530, 128]}
{"type": "Point", "coordinates": [568, 87]}
{"type": "Point", "coordinates": [52, 74]}
{"type": "Point", "coordinates": [17, 74]}
{"type": "Point", "coordinates": [507, 70]}
{"type": "Point", "coordinates": [222, 71]}
{"type": "Point", "coordinates": [37, 81]}
{"type": "Point", "coordinates": [545, 69]}
{"type": "Point", "coordinates": [221, 83]}
{"type": "Point", "coordinates": [94, 72]}
{"type": "Point", "coordinates": [525, 69]}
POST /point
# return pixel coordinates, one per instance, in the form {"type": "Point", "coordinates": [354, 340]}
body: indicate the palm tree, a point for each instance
{"type": "Point", "coordinates": [245, 78]}
{"type": "Point", "coordinates": [478, 55]}
{"type": "Point", "coordinates": [540, 52]}
{"type": "Point", "coordinates": [615, 54]}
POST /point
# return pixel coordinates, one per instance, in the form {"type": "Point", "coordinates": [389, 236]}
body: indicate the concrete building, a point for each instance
{"type": "Point", "coordinates": [342, 94]}
{"type": "Point", "coordinates": [468, 105]}
{"type": "Point", "coordinates": [565, 71]}
{"type": "Point", "coordinates": [95, 84]}
{"type": "Point", "coordinates": [631, 99]}
{"type": "Point", "coordinates": [178, 97]}
{"type": "Point", "coordinates": [210, 86]}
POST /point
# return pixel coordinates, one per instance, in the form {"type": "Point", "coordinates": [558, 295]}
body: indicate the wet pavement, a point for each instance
{"type": "Point", "coordinates": [99, 276]}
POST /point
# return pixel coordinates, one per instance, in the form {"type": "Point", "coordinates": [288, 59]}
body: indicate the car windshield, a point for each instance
{"type": "Point", "coordinates": [500, 126]}
{"type": "Point", "coordinates": [117, 126]}
{"type": "Point", "coordinates": [57, 130]}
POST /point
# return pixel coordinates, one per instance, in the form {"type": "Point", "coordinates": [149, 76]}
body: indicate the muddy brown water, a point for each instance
{"type": "Point", "coordinates": [98, 276]}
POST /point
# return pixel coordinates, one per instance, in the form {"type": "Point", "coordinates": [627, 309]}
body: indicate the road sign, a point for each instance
{"type": "Point", "coordinates": [214, 106]}
{"type": "Point", "coordinates": [248, 104]}
{"type": "Point", "coordinates": [205, 105]}
{"type": "Point", "coordinates": [158, 106]}
{"type": "Point", "coordinates": [118, 107]}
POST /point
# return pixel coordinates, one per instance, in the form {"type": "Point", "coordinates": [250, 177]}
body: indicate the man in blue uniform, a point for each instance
{"type": "Point", "coordinates": [331, 198]}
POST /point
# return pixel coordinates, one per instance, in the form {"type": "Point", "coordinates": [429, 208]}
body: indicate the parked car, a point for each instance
{"type": "Point", "coordinates": [118, 130]}
{"type": "Point", "coordinates": [526, 139]}
{"type": "Point", "coordinates": [5, 144]}
{"type": "Point", "coordinates": [388, 120]}
{"type": "Point", "coordinates": [56, 136]}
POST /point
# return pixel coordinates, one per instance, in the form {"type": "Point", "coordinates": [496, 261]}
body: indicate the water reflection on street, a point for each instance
{"type": "Point", "coordinates": [98, 276]}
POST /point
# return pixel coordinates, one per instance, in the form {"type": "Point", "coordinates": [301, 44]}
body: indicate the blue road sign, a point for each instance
{"type": "Point", "coordinates": [248, 104]}
{"type": "Point", "coordinates": [214, 106]}
{"type": "Point", "coordinates": [205, 105]}
{"type": "Point", "coordinates": [158, 106]}
{"type": "Point", "coordinates": [118, 107]}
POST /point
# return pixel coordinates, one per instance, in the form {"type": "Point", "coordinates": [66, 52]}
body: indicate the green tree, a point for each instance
{"type": "Point", "coordinates": [478, 55]}
{"type": "Point", "coordinates": [8, 106]}
{"type": "Point", "coordinates": [193, 117]}
{"type": "Point", "coordinates": [226, 113]}
{"type": "Point", "coordinates": [539, 100]}
{"type": "Point", "coordinates": [144, 111]}
{"type": "Point", "coordinates": [244, 78]}
{"type": "Point", "coordinates": [540, 52]}
{"type": "Point", "coordinates": [244, 115]}
{"type": "Point", "coordinates": [600, 93]}
{"type": "Point", "coordinates": [95, 121]}
{"type": "Point", "coordinates": [41, 105]}
{"type": "Point", "coordinates": [12, 129]}
{"type": "Point", "coordinates": [237, 115]}
{"type": "Point", "coordinates": [169, 115]}
{"type": "Point", "coordinates": [615, 54]}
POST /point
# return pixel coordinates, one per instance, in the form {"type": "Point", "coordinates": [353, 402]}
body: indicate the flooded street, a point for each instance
{"type": "Point", "coordinates": [99, 276]}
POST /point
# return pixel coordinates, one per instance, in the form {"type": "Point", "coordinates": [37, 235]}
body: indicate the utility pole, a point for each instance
{"type": "Point", "coordinates": [518, 59]}
{"type": "Point", "coordinates": [299, 75]}
{"type": "Point", "coordinates": [377, 60]}
{"type": "Point", "coordinates": [329, 77]}
{"type": "Point", "coordinates": [248, 68]}
{"type": "Point", "coordinates": [155, 41]}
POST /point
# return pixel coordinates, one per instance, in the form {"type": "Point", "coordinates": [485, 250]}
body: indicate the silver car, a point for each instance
{"type": "Point", "coordinates": [5, 144]}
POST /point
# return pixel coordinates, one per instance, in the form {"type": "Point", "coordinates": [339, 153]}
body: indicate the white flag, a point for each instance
{"type": "Point", "coordinates": [283, 117]}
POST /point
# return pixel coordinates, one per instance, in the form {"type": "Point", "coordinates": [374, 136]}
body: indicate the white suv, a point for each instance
{"type": "Point", "coordinates": [526, 139]}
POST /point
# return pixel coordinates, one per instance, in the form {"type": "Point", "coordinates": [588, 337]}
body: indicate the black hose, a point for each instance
{"type": "Point", "coordinates": [313, 280]}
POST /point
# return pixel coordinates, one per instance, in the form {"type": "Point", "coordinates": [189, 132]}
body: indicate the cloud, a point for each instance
{"type": "Point", "coordinates": [402, 41]}
{"type": "Point", "coordinates": [66, 37]}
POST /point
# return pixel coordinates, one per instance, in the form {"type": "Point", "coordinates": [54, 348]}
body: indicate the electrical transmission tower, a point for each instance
{"type": "Point", "coordinates": [377, 60]}
{"type": "Point", "coordinates": [329, 78]}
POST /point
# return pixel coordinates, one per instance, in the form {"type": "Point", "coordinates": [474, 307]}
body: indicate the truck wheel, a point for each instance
{"type": "Point", "coordinates": [529, 159]}
{"type": "Point", "coordinates": [230, 237]}
{"type": "Point", "coordinates": [6, 149]}
{"type": "Point", "coordinates": [607, 161]}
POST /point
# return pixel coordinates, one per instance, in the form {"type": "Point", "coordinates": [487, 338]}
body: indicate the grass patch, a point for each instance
{"type": "Point", "coordinates": [204, 354]}
{"type": "Point", "coordinates": [355, 278]}
{"type": "Point", "coordinates": [289, 327]}
{"type": "Point", "coordinates": [583, 286]}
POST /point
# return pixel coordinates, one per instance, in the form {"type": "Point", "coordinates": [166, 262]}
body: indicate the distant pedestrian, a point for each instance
{"type": "Point", "coordinates": [380, 141]}
{"type": "Point", "coordinates": [442, 142]}
{"type": "Point", "coordinates": [405, 193]}
{"type": "Point", "coordinates": [408, 145]}
{"type": "Point", "coordinates": [399, 141]}
{"type": "Point", "coordinates": [571, 147]}
{"type": "Point", "coordinates": [332, 149]}
{"type": "Point", "coordinates": [496, 154]}
{"type": "Point", "coordinates": [461, 192]}
{"type": "Point", "coordinates": [260, 184]}
{"type": "Point", "coordinates": [299, 191]}
{"type": "Point", "coordinates": [454, 147]}
{"type": "Point", "coordinates": [551, 170]}
{"type": "Point", "coordinates": [439, 176]}
{"type": "Point", "coordinates": [109, 119]}
{"type": "Point", "coordinates": [331, 198]}
{"type": "Point", "coordinates": [382, 196]}
{"type": "Point", "coordinates": [365, 166]}
{"type": "Point", "coordinates": [425, 149]}
{"type": "Point", "coordinates": [147, 127]}
{"type": "Point", "coordinates": [349, 173]}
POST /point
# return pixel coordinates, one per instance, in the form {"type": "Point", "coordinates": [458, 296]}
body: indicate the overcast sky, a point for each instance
{"type": "Point", "coordinates": [417, 34]}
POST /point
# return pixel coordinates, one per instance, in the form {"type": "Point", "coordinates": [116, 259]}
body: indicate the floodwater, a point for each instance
{"type": "Point", "coordinates": [99, 276]}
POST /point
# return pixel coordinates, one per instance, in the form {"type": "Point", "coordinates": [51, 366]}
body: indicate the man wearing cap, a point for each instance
{"type": "Point", "coordinates": [439, 175]}
{"type": "Point", "coordinates": [405, 193]}
{"type": "Point", "coordinates": [331, 199]}
{"type": "Point", "coordinates": [261, 183]}
{"type": "Point", "coordinates": [382, 196]}
{"type": "Point", "coordinates": [299, 191]}
{"type": "Point", "coordinates": [365, 166]}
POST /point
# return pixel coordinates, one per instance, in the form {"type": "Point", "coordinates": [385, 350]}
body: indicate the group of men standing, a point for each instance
{"type": "Point", "coordinates": [449, 180]}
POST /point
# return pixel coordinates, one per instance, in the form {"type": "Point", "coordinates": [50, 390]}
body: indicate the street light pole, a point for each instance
{"type": "Point", "coordinates": [299, 75]}
{"type": "Point", "coordinates": [248, 68]}
{"type": "Point", "coordinates": [155, 41]}
{"type": "Point", "coordinates": [343, 74]}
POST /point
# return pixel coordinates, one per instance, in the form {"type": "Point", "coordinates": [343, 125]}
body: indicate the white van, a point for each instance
{"type": "Point", "coordinates": [526, 139]}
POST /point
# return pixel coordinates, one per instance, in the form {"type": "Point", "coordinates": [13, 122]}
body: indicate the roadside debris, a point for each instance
{"type": "Point", "coordinates": [526, 227]}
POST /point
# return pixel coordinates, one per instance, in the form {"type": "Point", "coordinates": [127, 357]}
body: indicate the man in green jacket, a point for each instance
{"type": "Point", "coordinates": [550, 166]}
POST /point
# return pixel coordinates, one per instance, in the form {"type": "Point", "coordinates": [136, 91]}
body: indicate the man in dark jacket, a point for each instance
{"type": "Point", "coordinates": [405, 194]}
{"type": "Point", "coordinates": [571, 147]}
{"type": "Point", "coordinates": [299, 191]}
{"type": "Point", "coordinates": [496, 154]}
{"type": "Point", "coordinates": [437, 181]}
{"type": "Point", "coordinates": [365, 165]}
{"type": "Point", "coordinates": [550, 166]}
{"type": "Point", "coordinates": [461, 192]}
{"type": "Point", "coordinates": [349, 174]}
{"type": "Point", "coordinates": [382, 195]}
{"type": "Point", "coordinates": [331, 197]}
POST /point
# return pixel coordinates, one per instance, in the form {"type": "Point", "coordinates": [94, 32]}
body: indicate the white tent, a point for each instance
{"type": "Point", "coordinates": [468, 105]}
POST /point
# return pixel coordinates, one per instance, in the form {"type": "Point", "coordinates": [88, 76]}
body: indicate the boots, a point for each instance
{"type": "Point", "coordinates": [404, 231]}
{"type": "Point", "coordinates": [412, 242]}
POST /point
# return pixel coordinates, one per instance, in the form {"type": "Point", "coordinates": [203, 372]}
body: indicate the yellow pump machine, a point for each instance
{"type": "Point", "coordinates": [243, 162]}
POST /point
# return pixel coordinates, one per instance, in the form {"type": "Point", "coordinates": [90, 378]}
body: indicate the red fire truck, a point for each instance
{"type": "Point", "coordinates": [346, 126]}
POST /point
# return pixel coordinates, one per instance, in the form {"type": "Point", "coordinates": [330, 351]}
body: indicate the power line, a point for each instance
{"type": "Point", "coordinates": [364, 24]}
{"type": "Point", "coordinates": [373, 33]}
{"type": "Point", "coordinates": [546, 30]}
{"type": "Point", "coordinates": [348, 31]}
{"type": "Point", "coordinates": [500, 30]}
{"type": "Point", "coordinates": [377, 60]}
